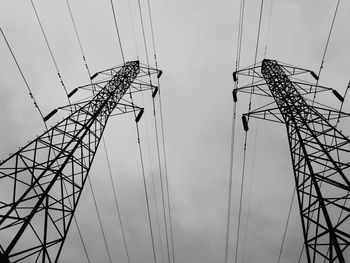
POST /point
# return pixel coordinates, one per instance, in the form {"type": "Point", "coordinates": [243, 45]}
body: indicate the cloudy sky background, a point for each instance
{"type": "Point", "coordinates": [196, 47]}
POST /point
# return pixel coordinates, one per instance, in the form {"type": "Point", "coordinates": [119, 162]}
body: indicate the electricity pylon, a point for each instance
{"type": "Point", "coordinates": [320, 154]}
{"type": "Point", "coordinates": [41, 184]}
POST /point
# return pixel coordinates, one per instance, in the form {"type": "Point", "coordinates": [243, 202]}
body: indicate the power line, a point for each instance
{"type": "Point", "coordinates": [144, 182]}
{"type": "Point", "coordinates": [246, 138]}
{"type": "Point", "coordinates": [51, 53]}
{"type": "Point", "coordinates": [143, 32]}
{"type": "Point", "coordinates": [259, 27]}
{"type": "Point", "coordinates": [116, 199]}
{"type": "Point", "coordinates": [268, 28]}
{"type": "Point", "coordinates": [99, 220]}
{"type": "Point", "coordinates": [166, 172]}
{"type": "Point", "coordinates": [156, 204]}
{"type": "Point", "coordinates": [153, 185]}
{"type": "Point", "coordinates": [161, 179]}
{"type": "Point", "coordinates": [81, 238]}
{"type": "Point", "coordinates": [250, 186]}
{"type": "Point", "coordinates": [23, 77]}
{"type": "Point", "coordinates": [163, 136]}
{"type": "Point", "coordinates": [62, 83]}
{"type": "Point", "coordinates": [230, 181]}
{"type": "Point", "coordinates": [257, 127]}
{"type": "Point", "coordinates": [326, 47]}
{"type": "Point", "coordinates": [152, 32]}
{"type": "Point", "coordinates": [241, 195]}
{"type": "Point", "coordinates": [286, 227]}
{"type": "Point", "coordinates": [328, 38]}
{"type": "Point", "coordinates": [37, 106]}
{"type": "Point", "coordinates": [240, 34]}
{"type": "Point", "coordinates": [78, 38]}
{"type": "Point", "coordinates": [117, 29]}
{"type": "Point", "coordinates": [106, 154]}
{"type": "Point", "coordinates": [133, 29]}
{"type": "Point", "coordinates": [229, 202]}
{"type": "Point", "coordinates": [319, 73]}
{"type": "Point", "coordinates": [76, 222]}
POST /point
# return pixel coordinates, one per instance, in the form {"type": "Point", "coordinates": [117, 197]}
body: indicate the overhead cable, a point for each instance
{"type": "Point", "coordinates": [100, 221]}
{"type": "Point", "coordinates": [144, 182]}
{"type": "Point", "coordinates": [246, 138]}
{"type": "Point", "coordinates": [326, 47]}
{"type": "Point", "coordinates": [154, 188]}
{"type": "Point", "coordinates": [163, 136]}
{"type": "Point", "coordinates": [116, 199]}
{"type": "Point", "coordinates": [152, 33]}
{"type": "Point", "coordinates": [78, 38]}
{"type": "Point", "coordinates": [133, 29]}
{"type": "Point", "coordinates": [143, 33]}
{"type": "Point", "coordinates": [319, 73]}
{"type": "Point", "coordinates": [23, 77]}
{"type": "Point", "coordinates": [286, 227]}
{"type": "Point", "coordinates": [229, 202]}
{"type": "Point", "coordinates": [117, 29]}
{"type": "Point", "coordinates": [240, 34]}
{"type": "Point", "coordinates": [268, 28]}
{"type": "Point", "coordinates": [50, 50]}
{"type": "Point", "coordinates": [161, 179]}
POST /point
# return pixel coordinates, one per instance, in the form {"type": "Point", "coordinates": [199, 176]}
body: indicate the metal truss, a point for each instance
{"type": "Point", "coordinates": [41, 184]}
{"type": "Point", "coordinates": [320, 155]}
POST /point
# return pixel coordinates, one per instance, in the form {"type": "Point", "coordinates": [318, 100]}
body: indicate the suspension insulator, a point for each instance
{"type": "Point", "coordinates": [339, 97]}
{"type": "Point", "coordinates": [138, 117]}
{"type": "Point", "coordinates": [160, 72]}
{"type": "Point", "coordinates": [314, 75]}
{"type": "Point", "coordinates": [234, 95]}
{"type": "Point", "coordinates": [48, 116]}
{"type": "Point", "coordinates": [235, 79]}
{"type": "Point", "coordinates": [93, 76]}
{"type": "Point", "coordinates": [72, 92]}
{"type": "Point", "coordinates": [155, 91]}
{"type": "Point", "coordinates": [245, 123]}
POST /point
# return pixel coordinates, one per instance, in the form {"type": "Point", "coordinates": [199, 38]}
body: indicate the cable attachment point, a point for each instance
{"type": "Point", "coordinates": [72, 92]}
{"type": "Point", "coordinates": [245, 123]}
{"type": "Point", "coordinates": [155, 91]}
{"type": "Point", "coordinates": [234, 95]}
{"type": "Point", "coordinates": [93, 76]}
{"type": "Point", "coordinates": [48, 116]}
{"type": "Point", "coordinates": [234, 75]}
{"type": "Point", "coordinates": [339, 97]}
{"type": "Point", "coordinates": [314, 75]}
{"type": "Point", "coordinates": [138, 117]}
{"type": "Point", "coordinates": [160, 72]}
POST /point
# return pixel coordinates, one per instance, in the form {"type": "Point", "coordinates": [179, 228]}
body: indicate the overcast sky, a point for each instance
{"type": "Point", "coordinates": [196, 47]}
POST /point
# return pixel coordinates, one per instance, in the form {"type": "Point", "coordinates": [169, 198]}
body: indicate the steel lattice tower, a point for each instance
{"type": "Point", "coordinates": [320, 155]}
{"type": "Point", "coordinates": [40, 185]}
